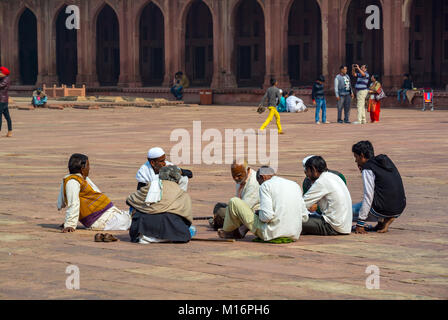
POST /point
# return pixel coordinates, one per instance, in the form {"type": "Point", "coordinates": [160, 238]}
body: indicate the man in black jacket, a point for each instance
{"type": "Point", "coordinates": [384, 197]}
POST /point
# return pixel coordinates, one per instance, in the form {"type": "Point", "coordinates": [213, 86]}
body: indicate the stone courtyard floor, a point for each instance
{"type": "Point", "coordinates": [34, 254]}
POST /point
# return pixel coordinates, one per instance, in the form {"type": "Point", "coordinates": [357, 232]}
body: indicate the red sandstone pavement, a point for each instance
{"type": "Point", "coordinates": [412, 258]}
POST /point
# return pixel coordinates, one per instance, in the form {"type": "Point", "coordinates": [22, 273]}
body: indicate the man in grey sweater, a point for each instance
{"type": "Point", "coordinates": [344, 94]}
{"type": "Point", "coordinates": [273, 97]}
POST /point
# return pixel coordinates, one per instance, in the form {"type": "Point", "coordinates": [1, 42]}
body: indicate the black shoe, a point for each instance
{"type": "Point", "coordinates": [340, 121]}
{"type": "Point", "coordinates": [348, 122]}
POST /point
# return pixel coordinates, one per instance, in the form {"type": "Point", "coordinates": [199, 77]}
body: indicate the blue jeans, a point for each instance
{"type": "Point", "coordinates": [356, 208]}
{"type": "Point", "coordinates": [177, 91]}
{"type": "Point", "coordinates": [400, 92]}
{"type": "Point", "coordinates": [321, 104]}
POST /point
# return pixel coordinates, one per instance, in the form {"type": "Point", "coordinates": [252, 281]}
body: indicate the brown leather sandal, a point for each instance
{"type": "Point", "coordinates": [109, 238]}
{"type": "Point", "coordinates": [99, 237]}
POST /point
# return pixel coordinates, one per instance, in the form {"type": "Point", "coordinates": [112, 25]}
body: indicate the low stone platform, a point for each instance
{"type": "Point", "coordinates": [34, 255]}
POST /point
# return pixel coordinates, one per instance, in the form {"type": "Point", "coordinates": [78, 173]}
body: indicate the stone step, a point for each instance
{"type": "Point", "coordinates": [29, 107]}
{"type": "Point", "coordinates": [86, 107]}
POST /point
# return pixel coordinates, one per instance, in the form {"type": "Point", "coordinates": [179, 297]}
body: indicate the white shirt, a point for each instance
{"type": "Point", "coordinates": [251, 191]}
{"type": "Point", "coordinates": [281, 209]}
{"type": "Point", "coordinates": [72, 189]}
{"type": "Point", "coordinates": [368, 179]}
{"type": "Point", "coordinates": [333, 198]}
{"type": "Point", "coordinates": [294, 104]}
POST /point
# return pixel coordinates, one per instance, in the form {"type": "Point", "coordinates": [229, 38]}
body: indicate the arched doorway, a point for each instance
{"type": "Point", "coordinates": [199, 44]}
{"type": "Point", "coordinates": [428, 45]}
{"type": "Point", "coordinates": [66, 50]}
{"type": "Point", "coordinates": [250, 55]}
{"type": "Point", "coordinates": [304, 42]}
{"type": "Point", "coordinates": [28, 48]}
{"type": "Point", "coordinates": [152, 45]}
{"type": "Point", "coordinates": [107, 47]}
{"type": "Point", "coordinates": [364, 46]}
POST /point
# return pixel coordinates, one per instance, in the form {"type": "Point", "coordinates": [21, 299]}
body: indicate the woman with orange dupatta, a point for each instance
{"type": "Point", "coordinates": [374, 104]}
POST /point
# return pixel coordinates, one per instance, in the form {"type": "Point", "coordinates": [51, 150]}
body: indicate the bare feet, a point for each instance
{"type": "Point", "coordinates": [9, 134]}
{"type": "Point", "coordinates": [383, 227]}
{"type": "Point", "coordinates": [235, 234]}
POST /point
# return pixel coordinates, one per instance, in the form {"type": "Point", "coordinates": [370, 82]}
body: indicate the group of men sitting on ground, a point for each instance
{"type": "Point", "coordinates": [269, 206]}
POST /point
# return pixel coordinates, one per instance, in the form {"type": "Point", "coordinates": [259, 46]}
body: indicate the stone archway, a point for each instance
{"type": "Point", "coordinates": [363, 46]}
{"type": "Point", "coordinates": [428, 45]}
{"type": "Point", "coordinates": [250, 52]}
{"type": "Point", "coordinates": [28, 60]}
{"type": "Point", "coordinates": [66, 50]}
{"type": "Point", "coordinates": [107, 47]}
{"type": "Point", "coordinates": [304, 42]}
{"type": "Point", "coordinates": [152, 45]}
{"type": "Point", "coordinates": [199, 44]}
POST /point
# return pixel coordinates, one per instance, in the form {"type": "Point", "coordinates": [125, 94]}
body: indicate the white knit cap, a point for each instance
{"type": "Point", "coordinates": [155, 153]}
{"type": "Point", "coordinates": [305, 160]}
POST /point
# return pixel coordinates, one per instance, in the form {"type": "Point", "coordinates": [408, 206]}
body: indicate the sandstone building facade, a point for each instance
{"type": "Point", "coordinates": [221, 43]}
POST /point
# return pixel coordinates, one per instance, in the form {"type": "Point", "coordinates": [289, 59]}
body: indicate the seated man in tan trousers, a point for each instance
{"type": "Point", "coordinates": [247, 189]}
{"type": "Point", "coordinates": [281, 211]}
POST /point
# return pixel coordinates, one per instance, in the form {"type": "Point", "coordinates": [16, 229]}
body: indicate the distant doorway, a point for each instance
{"type": "Point", "coordinates": [28, 48]}
{"type": "Point", "coordinates": [152, 46]}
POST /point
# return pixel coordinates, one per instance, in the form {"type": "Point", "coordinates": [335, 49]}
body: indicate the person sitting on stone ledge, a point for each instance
{"type": "Point", "coordinates": [330, 193]}
{"type": "Point", "coordinates": [384, 197]}
{"type": "Point", "coordinates": [39, 99]}
{"type": "Point", "coordinates": [247, 189]}
{"type": "Point", "coordinates": [166, 220]}
{"type": "Point", "coordinates": [149, 171]}
{"type": "Point", "coordinates": [85, 202]}
{"type": "Point", "coordinates": [281, 211]}
{"type": "Point", "coordinates": [180, 83]}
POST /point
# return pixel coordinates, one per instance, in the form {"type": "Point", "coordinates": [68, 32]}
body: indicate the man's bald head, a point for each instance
{"type": "Point", "coordinates": [239, 170]}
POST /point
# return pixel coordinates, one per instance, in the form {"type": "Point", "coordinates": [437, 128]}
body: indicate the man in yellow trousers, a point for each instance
{"type": "Point", "coordinates": [272, 94]}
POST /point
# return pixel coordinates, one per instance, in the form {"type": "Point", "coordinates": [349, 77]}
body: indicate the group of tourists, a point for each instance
{"type": "Point", "coordinates": [368, 90]}
{"type": "Point", "coordinates": [269, 206]}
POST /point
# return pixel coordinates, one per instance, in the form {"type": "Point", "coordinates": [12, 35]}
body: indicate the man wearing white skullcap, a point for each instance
{"type": "Point", "coordinates": [149, 172]}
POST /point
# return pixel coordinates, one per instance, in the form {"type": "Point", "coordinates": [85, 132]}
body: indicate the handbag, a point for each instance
{"type": "Point", "coordinates": [380, 94]}
{"type": "Point", "coordinates": [261, 109]}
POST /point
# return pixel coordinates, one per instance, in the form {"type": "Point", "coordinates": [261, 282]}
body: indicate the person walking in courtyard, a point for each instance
{"type": "Point", "coordinates": [319, 101]}
{"type": "Point", "coordinates": [362, 90]}
{"type": "Point", "coordinates": [374, 103]}
{"type": "Point", "coordinates": [272, 94]}
{"type": "Point", "coordinates": [344, 94]}
{"type": "Point", "coordinates": [4, 99]}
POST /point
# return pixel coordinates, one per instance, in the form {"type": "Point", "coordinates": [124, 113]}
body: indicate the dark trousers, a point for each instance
{"type": "Point", "coordinates": [4, 110]}
{"type": "Point", "coordinates": [316, 225]}
{"type": "Point", "coordinates": [344, 103]}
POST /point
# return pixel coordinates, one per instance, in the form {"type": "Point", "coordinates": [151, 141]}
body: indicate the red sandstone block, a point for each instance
{"type": "Point", "coordinates": [55, 107]}
{"type": "Point", "coordinates": [30, 107]}
{"type": "Point", "coordinates": [86, 107]}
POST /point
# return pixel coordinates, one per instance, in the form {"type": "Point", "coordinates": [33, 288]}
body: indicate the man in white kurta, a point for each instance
{"type": "Point", "coordinates": [333, 198]}
{"type": "Point", "coordinates": [247, 189]}
{"type": "Point", "coordinates": [149, 172]}
{"type": "Point", "coordinates": [281, 211]}
{"type": "Point", "coordinates": [294, 104]}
